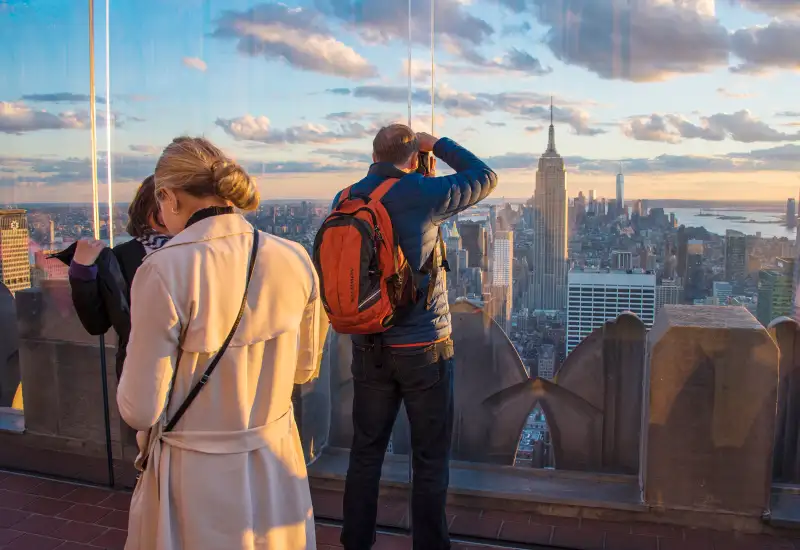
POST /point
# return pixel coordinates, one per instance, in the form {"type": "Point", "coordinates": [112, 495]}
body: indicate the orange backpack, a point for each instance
{"type": "Point", "coordinates": [363, 274]}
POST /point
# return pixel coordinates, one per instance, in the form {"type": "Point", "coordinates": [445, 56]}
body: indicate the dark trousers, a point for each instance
{"type": "Point", "coordinates": [423, 379]}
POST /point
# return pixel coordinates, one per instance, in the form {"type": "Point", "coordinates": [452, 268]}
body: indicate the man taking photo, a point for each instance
{"type": "Point", "coordinates": [412, 360]}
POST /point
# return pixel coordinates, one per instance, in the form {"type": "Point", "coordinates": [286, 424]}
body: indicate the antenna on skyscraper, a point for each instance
{"type": "Point", "coordinates": [551, 110]}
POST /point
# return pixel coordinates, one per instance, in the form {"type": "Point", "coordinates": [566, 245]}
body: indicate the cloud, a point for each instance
{"type": "Point", "coordinates": [382, 21]}
{"type": "Point", "coordinates": [293, 167]}
{"type": "Point", "coordinates": [763, 48]}
{"type": "Point", "coordinates": [790, 114]}
{"type": "Point", "coordinates": [576, 118]}
{"type": "Point", "coordinates": [259, 128]}
{"type": "Point", "coordinates": [339, 91]}
{"type": "Point", "coordinates": [18, 118]}
{"type": "Point", "coordinates": [652, 128]}
{"type": "Point", "coordinates": [647, 40]}
{"type": "Point", "coordinates": [61, 97]}
{"type": "Point", "coordinates": [735, 95]}
{"type": "Point", "coordinates": [739, 126]}
{"type": "Point", "coordinates": [774, 7]}
{"type": "Point", "coordinates": [534, 129]}
{"type": "Point", "coordinates": [297, 36]}
{"type": "Point", "coordinates": [783, 158]}
{"type": "Point", "coordinates": [350, 156]}
{"type": "Point", "coordinates": [195, 63]}
{"type": "Point", "coordinates": [148, 149]}
{"type": "Point", "coordinates": [517, 28]}
{"type": "Point", "coordinates": [420, 70]}
{"type": "Point", "coordinates": [137, 98]}
{"type": "Point", "coordinates": [513, 61]}
{"type": "Point", "coordinates": [496, 124]}
{"type": "Point", "coordinates": [527, 105]}
{"type": "Point", "coordinates": [45, 172]}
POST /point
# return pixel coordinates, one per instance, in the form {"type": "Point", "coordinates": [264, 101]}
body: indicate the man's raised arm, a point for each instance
{"type": "Point", "coordinates": [472, 182]}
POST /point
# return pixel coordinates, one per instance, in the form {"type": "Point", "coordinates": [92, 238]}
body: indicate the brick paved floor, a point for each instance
{"type": "Point", "coordinates": [42, 514]}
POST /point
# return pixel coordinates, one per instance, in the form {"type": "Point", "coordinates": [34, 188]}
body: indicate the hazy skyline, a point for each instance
{"type": "Point", "coordinates": [693, 97]}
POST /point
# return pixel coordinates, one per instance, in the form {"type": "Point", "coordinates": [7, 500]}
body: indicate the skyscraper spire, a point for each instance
{"type": "Point", "coordinates": [551, 138]}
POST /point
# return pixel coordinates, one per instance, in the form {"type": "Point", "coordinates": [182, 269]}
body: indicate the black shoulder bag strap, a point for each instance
{"type": "Point", "coordinates": [214, 362]}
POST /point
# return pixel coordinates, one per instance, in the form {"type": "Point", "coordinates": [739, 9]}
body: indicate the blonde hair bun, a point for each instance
{"type": "Point", "coordinates": [233, 184]}
{"type": "Point", "coordinates": [198, 167]}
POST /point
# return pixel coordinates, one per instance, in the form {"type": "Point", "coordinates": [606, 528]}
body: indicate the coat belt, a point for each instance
{"type": "Point", "coordinates": [228, 442]}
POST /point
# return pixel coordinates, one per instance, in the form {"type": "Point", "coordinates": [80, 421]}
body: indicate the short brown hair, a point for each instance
{"type": "Point", "coordinates": [197, 167]}
{"type": "Point", "coordinates": [395, 143]}
{"type": "Point", "coordinates": [142, 209]}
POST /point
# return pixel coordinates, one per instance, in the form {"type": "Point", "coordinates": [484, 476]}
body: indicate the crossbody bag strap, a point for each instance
{"type": "Point", "coordinates": [214, 362]}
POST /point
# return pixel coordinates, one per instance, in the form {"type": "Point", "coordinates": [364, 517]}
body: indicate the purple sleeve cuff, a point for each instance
{"type": "Point", "coordinates": [82, 272]}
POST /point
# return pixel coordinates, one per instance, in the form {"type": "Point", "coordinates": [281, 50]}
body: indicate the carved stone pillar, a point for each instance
{"type": "Point", "coordinates": [709, 415]}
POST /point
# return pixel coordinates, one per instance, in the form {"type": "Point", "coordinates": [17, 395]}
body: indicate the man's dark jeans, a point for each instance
{"type": "Point", "coordinates": [423, 379]}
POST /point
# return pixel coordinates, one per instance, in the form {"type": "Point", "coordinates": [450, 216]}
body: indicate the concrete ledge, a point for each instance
{"type": "Point", "coordinates": [555, 494]}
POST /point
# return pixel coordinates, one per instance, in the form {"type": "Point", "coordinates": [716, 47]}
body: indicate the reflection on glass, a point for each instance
{"type": "Point", "coordinates": [45, 151]}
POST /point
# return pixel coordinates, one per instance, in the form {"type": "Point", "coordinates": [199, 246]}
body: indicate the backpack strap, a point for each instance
{"type": "Point", "coordinates": [383, 188]}
{"type": "Point", "coordinates": [343, 196]}
{"type": "Point", "coordinates": [436, 267]}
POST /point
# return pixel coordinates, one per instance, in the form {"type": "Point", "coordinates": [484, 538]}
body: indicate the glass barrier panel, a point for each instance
{"type": "Point", "coordinates": [46, 204]}
{"type": "Point", "coordinates": [265, 83]}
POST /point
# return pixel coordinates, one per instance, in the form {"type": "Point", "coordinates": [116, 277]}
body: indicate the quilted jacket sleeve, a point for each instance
{"type": "Point", "coordinates": [448, 195]}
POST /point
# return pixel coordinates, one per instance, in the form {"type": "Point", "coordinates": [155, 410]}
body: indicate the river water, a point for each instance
{"type": "Point", "coordinates": [756, 221]}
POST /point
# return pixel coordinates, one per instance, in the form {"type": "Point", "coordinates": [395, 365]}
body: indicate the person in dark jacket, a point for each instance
{"type": "Point", "coordinates": [101, 278]}
{"type": "Point", "coordinates": [412, 362]}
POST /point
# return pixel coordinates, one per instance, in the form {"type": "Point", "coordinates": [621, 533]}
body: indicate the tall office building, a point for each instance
{"type": "Point", "coordinates": [622, 260]}
{"type": "Point", "coordinates": [775, 288]}
{"type": "Point", "coordinates": [15, 267]}
{"type": "Point", "coordinates": [453, 241]}
{"type": "Point", "coordinates": [493, 218]}
{"type": "Point", "coordinates": [722, 291]}
{"type": "Point", "coordinates": [735, 255]}
{"type": "Point", "coordinates": [547, 361]}
{"type": "Point", "coordinates": [550, 234]}
{"type": "Point", "coordinates": [502, 278]}
{"type": "Point", "coordinates": [597, 296]}
{"type": "Point", "coordinates": [695, 282]}
{"type": "Point", "coordinates": [668, 293]}
{"type": "Point", "coordinates": [620, 204]}
{"type": "Point", "coordinates": [473, 239]}
{"type": "Point", "coordinates": [791, 213]}
{"type": "Point", "coordinates": [683, 251]}
{"type": "Point", "coordinates": [695, 246]}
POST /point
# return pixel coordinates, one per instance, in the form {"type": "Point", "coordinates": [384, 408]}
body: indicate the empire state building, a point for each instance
{"type": "Point", "coordinates": [550, 237]}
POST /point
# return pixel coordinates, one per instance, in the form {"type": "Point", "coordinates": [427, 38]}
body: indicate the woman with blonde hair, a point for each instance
{"type": "Point", "coordinates": [225, 320]}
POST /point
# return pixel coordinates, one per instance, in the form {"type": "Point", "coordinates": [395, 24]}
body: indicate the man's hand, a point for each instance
{"type": "Point", "coordinates": [87, 251]}
{"type": "Point", "coordinates": [426, 142]}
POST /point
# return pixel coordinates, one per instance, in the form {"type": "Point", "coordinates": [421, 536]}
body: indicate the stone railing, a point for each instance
{"type": "Point", "coordinates": [678, 422]}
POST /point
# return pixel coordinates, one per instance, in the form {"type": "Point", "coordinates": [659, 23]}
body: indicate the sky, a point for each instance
{"type": "Point", "coordinates": [695, 99]}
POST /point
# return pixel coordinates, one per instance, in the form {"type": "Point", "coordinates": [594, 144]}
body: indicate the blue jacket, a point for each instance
{"type": "Point", "coordinates": [417, 206]}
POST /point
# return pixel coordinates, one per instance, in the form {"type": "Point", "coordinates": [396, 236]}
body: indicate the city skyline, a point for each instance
{"type": "Point", "coordinates": [693, 97]}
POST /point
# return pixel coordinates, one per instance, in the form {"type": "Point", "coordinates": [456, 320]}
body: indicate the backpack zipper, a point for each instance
{"type": "Point", "coordinates": [368, 298]}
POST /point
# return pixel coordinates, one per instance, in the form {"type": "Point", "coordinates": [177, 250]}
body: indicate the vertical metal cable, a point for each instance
{"type": "Point", "coordinates": [108, 128]}
{"type": "Point", "coordinates": [409, 63]}
{"type": "Point", "coordinates": [433, 68]}
{"type": "Point", "coordinates": [93, 124]}
{"type": "Point", "coordinates": [96, 221]}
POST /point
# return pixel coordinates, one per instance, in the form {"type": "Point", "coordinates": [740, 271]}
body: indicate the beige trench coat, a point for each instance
{"type": "Point", "coordinates": [231, 474]}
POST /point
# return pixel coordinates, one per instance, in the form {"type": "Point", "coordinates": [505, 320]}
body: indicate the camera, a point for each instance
{"type": "Point", "coordinates": [425, 163]}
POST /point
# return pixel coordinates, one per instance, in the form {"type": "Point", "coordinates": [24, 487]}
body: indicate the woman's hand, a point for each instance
{"type": "Point", "coordinates": [87, 251]}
